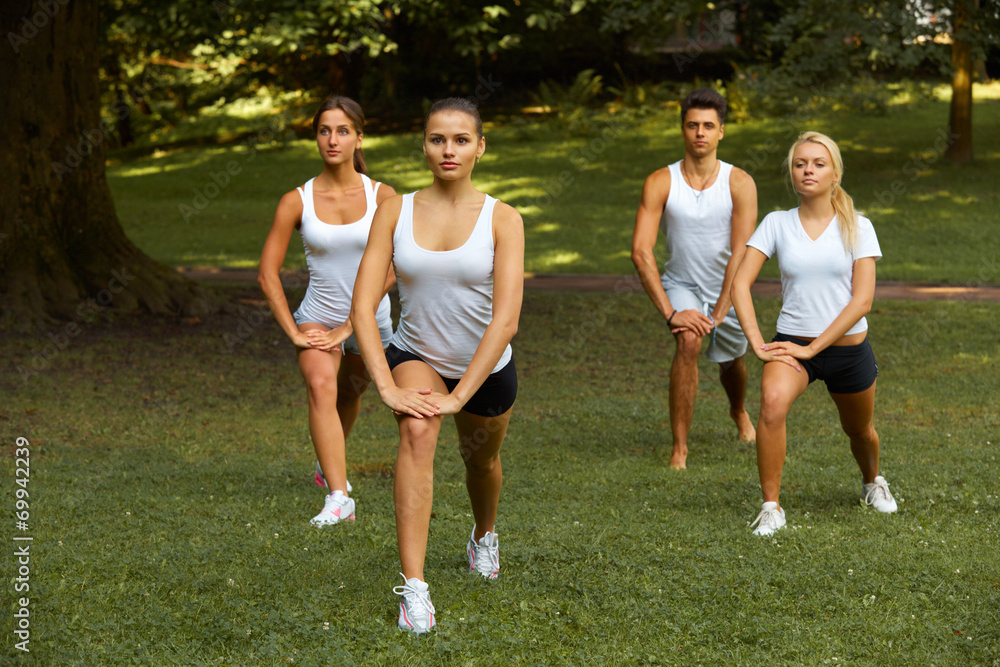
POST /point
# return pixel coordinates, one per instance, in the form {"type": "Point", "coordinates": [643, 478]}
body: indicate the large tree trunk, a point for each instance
{"type": "Point", "coordinates": [960, 116]}
{"type": "Point", "coordinates": [63, 254]}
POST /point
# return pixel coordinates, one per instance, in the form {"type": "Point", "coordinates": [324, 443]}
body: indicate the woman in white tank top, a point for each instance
{"type": "Point", "coordinates": [459, 260]}
{"type": "Point", "coordinates": [333, 212]}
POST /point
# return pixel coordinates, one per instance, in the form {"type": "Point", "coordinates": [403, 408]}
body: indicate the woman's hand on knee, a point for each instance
{"type": "Point", "coordinates": [301, 340]}
{"type": "Point", "coordinates": [329, 340]}
{"type": "Point", "coordinates": [413, 402]}
{"type": "Point", "coordinates": [767, 356]}
{"type": "Point", "coordinates": [447, 403]}
{"type": "Point", "coordinates": [784, 348]}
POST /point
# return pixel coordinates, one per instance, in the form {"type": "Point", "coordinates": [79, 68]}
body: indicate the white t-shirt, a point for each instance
{"type": "Point", "coordinates": [815, 275]}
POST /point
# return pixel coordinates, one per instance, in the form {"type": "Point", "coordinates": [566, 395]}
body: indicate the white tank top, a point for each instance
{"type": "Point", "coordinates": [333, 255]}
{"type": "Point", "coordinates": [698, 226]}
{"type": "Point", "coordinates": [445, 297]}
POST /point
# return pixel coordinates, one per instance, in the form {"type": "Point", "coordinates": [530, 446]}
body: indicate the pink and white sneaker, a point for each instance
{"type": "Point", "coordinates": [337, 508]}
{"type": "Point", "coordinates": [416, 612]}
{"type": "Point", "coordinates": [320, 479]}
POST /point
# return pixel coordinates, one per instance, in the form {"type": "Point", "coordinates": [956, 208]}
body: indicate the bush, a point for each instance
{"type": "Point", "coordinates": [642, 99]}
{"type": "Point", "coordinates": [574, 105]}
{"type": "Point", "coordinates": [763, 91]}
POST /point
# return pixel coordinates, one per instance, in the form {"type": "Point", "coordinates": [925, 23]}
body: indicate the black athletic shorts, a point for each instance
{"type": "Point", "coordinates": [493, 398]}
{"type": "Point", "coordinates": [846, 369]}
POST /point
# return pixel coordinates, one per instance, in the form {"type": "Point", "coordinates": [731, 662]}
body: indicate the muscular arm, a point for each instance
{"type": "Point", "coordinates": [508, 288]}
{"type": "Point", "coordinates": [647, 229]}
{"type": "Point", "coordinates": [288, 214]}
{"type": "Point", "coordinates": [744, 193]}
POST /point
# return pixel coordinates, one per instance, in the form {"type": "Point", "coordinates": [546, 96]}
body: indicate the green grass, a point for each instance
{"type": "Point", "coordinates": [578, 195]}
{"type": "Point", "coordinates": [171, 489]}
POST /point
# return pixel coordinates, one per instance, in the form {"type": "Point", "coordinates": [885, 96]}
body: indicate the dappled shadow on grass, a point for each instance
{"type": "Point", "coordinates": [579, 194]}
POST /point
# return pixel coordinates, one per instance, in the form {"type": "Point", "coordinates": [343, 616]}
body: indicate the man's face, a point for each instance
{"type": "Point", "coordinates": [702, 132]}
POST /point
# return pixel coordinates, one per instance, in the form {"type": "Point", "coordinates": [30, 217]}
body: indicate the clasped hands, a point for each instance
{"type": "Point", "coordinates": [694, 321]}
{"type": "Point", "coordinates": [419, 403]}
{"type": "Point", "coordinates": [326, 340]}
{"type": "Point", "coordinates": [784, 351]}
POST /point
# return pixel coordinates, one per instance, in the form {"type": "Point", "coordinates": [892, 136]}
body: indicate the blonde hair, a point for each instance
{"type": "Point", "coordinates": [843, 205]}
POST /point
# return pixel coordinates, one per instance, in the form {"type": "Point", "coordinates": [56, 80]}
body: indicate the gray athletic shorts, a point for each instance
{"type": "Point", "coordinates": [351, 345]}
{"type": "Point", "coordinates": [729, 342]}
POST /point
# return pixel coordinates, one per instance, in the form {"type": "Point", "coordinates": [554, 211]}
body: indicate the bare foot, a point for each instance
{"type": "Point", "coordinates": [678, 460]}
{"type": "Point", "coordinates": [747, 433]}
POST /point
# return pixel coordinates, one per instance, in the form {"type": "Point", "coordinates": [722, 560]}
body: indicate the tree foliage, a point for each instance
{"type": "Point", "coordinates": [62, 252]}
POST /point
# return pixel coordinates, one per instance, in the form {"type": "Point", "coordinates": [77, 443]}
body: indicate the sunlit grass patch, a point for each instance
{"type": "Point", "coordinates": [579, 194]}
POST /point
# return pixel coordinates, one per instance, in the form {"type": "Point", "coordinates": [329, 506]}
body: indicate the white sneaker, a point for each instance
{"type": "Point", "coordinates": [416, 613]}
{"type": "Point", "coordinates": [320, 479]}
{"type": "Point", "coordinates": [337, 508]}
{"type": "Point", "coordinates": [484, 556]}
{"type": "Point", "coordinates": [877, 495]}
{"type": "Point", "coordinates": [769, 520]}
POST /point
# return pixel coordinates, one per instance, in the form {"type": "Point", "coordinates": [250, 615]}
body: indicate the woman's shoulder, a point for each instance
{"type": "Point", "coordinates": [291, 200]}
{"type": "Point", "coordinates": [506, 214]}
{"type": "Point", "coordinates": [393, 202]}
{"type": "Point", "coordinates": [384, 190]}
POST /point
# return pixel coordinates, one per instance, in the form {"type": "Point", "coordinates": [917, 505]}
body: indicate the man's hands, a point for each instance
{"type": "Point", "coordinates": [692, 320]}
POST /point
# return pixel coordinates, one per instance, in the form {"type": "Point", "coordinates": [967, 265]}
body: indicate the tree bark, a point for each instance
{"type": "Point", "coordinates": [960, 114]}
{"type": "Point", "coordinates": [63, 254]}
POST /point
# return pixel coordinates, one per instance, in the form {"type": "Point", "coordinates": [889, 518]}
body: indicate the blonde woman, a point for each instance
{"type": "Point", "coordinates": [826, 254]}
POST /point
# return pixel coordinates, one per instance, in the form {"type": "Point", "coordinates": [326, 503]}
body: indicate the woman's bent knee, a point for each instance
{"type": "Point", "coordinates": [774, 406]}
{"type": "Point", "coordinates": [418, 432]}
{"type": "Point", "coordinates": [321, 385]}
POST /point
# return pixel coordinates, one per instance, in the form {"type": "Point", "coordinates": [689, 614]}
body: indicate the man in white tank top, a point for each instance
{"type": "Point", "coordinates": [707, 209]}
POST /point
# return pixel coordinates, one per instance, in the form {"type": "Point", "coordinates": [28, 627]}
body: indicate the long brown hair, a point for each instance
{"type": "Point", "coordinates": [843, 205]}
{"type": "Point", "coordinates": [354, 114]}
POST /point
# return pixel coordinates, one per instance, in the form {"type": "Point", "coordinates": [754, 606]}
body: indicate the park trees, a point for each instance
{"type": "Point", "coordinates": [63, 254]}
{"type": "Point", "coordinates": [164, 59]}
{"type": "Point", "coordinates": [964, 36]}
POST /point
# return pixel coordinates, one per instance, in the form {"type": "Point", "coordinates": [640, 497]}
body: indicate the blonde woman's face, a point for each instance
{"type": "Point", "coordinates": [812, 170]}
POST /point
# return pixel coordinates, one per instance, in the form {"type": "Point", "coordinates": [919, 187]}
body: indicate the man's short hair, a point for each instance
{"type": "Point", "coordinates": [704, 98]}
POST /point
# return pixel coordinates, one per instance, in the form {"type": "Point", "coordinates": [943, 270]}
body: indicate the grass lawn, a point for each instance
{"type": "Point", "coordinates": [170, 493]}
{"type": "Point", "coordinates": [213, 206]}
